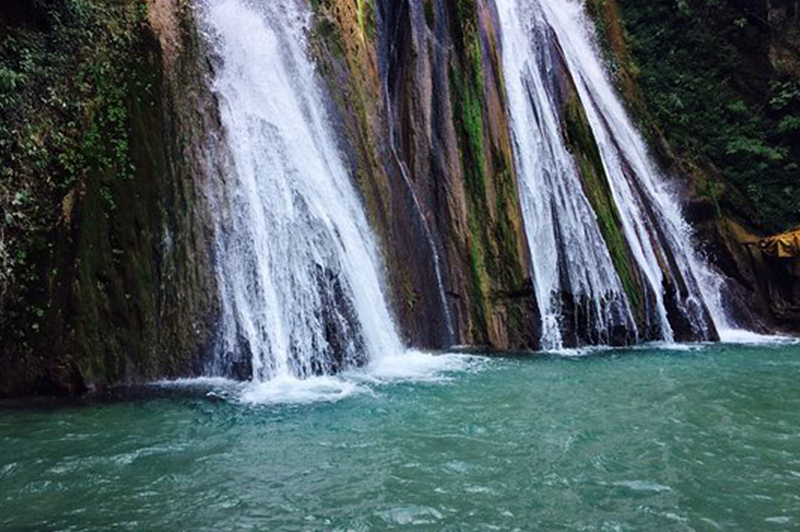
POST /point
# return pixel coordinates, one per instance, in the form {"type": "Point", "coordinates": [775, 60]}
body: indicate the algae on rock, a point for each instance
{"type": "Point", "coordinates": [427, 88]}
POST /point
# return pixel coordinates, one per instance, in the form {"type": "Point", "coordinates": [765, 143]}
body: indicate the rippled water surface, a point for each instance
{"type": "Point", "coordinates": [706, 438]}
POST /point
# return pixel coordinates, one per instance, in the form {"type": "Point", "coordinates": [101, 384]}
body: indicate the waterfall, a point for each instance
{"type": "Point", "coordinates": [298, 267]}
{"type": "Point", "coordinates": [549, 50]}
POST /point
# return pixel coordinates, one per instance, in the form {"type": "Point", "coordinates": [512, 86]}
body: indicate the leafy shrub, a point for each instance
{"type": "Point", "coordinates": [710, 84]}
{"type": "Point", "coordinates": [64, 83]}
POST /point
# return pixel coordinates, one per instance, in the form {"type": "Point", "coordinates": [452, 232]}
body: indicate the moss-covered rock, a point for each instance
{"type": "Point", "coordinates": [584, 147]}
{"type": "Point", "coordinates": [110, 281]}
{"type": "Point", "coordinates": [720, 81]}
{"type": "Point", "coordinates": [714, 86]}
{"type": "Point", "coordinates": [424, 96]}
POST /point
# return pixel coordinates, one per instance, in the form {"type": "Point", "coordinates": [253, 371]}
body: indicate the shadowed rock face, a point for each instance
{"type": "Point", "coordinates": [419, 88]}
{"type": "Point", "coordinates": [126, 289]}
{"type": "Point", "coordinates": [763, 292]}
{"type": "Point", "coordinates": [115, 283]}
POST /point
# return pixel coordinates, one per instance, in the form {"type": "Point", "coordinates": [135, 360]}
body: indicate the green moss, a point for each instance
{"type": "Point", "coordinates": [75, 77]}
{"type": "Point", "coordinates": [584, 147]}
{"type": "Point", "coordinates": [410, 295]}
{"type": "Point", "coordinates": [478, 301]}
{"type": "Point", "coordinates": [494, 250]}
{"type": "Point", "coordinates": [466, 80]}
{"type": "Point", "coordinates": [466, 86]}
{"type": "Point", "coordinates": [430, 15]}
{"type": "Point", "coordinates": [505, 234]}
{"type": "Point", "coordinates": [616, 54]}
{"type": "Point", "coordinates": [366, 18]}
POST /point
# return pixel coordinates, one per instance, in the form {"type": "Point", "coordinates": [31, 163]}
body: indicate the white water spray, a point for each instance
{"type": "Point", "coordinates": [567, 247]}
{"type": "Point", "coordinates": [298, 268]}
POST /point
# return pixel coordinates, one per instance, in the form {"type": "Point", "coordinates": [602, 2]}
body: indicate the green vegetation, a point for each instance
{"type": "Point", "coordinates": [720, 79]}
{"type": "Point", "coordinates": [505, 233]}
{"type": "Point", "coordinates": [466, 86]}
{"type": "Point", "coordinates": [366, 18]}
{"type": "Point", "coordinates": [494, 253]}
{"type": "Point", "coordinates": [67, 73]}
{"type": "Point", "coordinates": [476, 276]}
{"type": "Point", "coordinates": [430, 15]}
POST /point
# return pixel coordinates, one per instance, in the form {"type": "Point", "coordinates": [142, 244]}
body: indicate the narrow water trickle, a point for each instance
{"type": "Point", "coordinates": [450, 337]}
{"type": "Point", "coordinates": [630, 270]}
{"type": "Point", "coordinates": [298, 267]}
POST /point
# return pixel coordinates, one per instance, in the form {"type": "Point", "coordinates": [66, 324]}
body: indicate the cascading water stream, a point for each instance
{"type": "Point", "coordinates": [567, 247]}
{"type": "Point", "coordinates": [569, 252]}
{"type": "Point", "coordinates": [621, 144]}
{"type": "Point", "coordinates": [298, 268]}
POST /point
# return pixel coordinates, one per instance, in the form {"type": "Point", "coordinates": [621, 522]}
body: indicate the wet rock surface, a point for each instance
{"type": "Point", "coordinates": [420, 90]}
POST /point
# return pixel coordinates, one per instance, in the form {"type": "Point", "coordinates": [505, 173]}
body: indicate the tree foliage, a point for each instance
{"type": "Point", "coordinates": [720, 79]}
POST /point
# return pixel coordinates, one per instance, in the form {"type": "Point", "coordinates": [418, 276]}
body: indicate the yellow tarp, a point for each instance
{"type": "Point", "coordinates": [786, 245]}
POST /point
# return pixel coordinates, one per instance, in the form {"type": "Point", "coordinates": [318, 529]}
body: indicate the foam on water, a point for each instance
{"type": "Point", "coordinates": [413, 366]}
{"type": "Point", "coordinates": [671, 346]}
{"type": "Point", "coordinates": [197, 382]}
{"type": "Point", "coordinates": [419, 366]}
{"type": "Point", "coordinates": [291, 390]}
{"type": "Point", "coordinates": [579, 352]}
{"type": "Point", "coordinates": [653, 443]}
{"type": "Point", "coordinates": [744, 337]}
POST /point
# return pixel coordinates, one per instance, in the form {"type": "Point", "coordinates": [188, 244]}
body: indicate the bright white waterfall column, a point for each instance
{"type": "Point", "coordinates": [562, 228]}
{"type": "Point", "coordinates": [621, 144]}
{"type": "Point", "coordinates": [298, 267]}
{"type": "Point", "coordinates": [553, 201]}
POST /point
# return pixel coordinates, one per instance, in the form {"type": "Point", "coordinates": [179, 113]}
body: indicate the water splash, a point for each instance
{"type": "Point", "coordinates": [298, 268]}
{"type": "Point", "coordinates": [412, 367]}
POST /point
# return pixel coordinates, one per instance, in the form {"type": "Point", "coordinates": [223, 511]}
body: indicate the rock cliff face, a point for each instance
{"type": "Point", "coordinates": [106, 251]}
{"type": "Point", "coordinates": [106, 245]}
{"type": "Point", "coordinates": [419, 87]}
